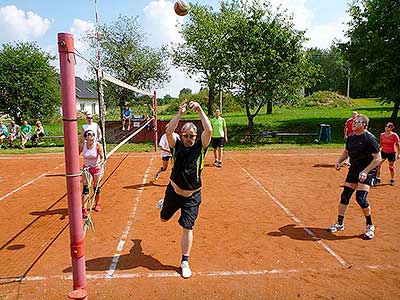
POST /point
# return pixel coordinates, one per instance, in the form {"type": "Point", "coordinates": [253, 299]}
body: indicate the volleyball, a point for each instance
{"type": "Point", "coordinates": [181, 8]}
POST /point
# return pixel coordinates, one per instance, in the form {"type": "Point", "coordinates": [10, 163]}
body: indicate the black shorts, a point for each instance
{"type": "Point", "coordinates": [217, 142]}
{"type": "Point", "coordinates": [189, 207]}
{"type": "Point", "coordinates": [166, 158]}
{"type": "Point", "coordinates": [388, 156]}
{"type": "Point", "coordinates": [353, 176]}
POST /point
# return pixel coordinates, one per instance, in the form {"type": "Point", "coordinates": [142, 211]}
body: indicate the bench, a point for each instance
{"type": "Point", "coordinates": [270, 137]}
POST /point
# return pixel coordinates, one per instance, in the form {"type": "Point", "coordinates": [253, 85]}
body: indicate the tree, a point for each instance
{"type": "Point", "coordinates": [201, 53]}
{"type": "Point", "coordinates": [373, 49]}
{"type": "Point", "coordinates": [185, 91]}
{"type": "Point", "coordinates": [29, 86]}
{"type": "Point", "coordinates": [263, 54]}
{"type": "Point", "coordinates": [124, 56]}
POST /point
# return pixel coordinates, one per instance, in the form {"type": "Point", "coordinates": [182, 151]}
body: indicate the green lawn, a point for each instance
{"type": "Point", "coordinates": [283, 119]}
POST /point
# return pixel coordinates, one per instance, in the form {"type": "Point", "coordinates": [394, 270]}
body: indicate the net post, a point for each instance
{"type": "Point", "coordinates": [155, 121]}
{"type": "Point", "coordinates": [71, 151]}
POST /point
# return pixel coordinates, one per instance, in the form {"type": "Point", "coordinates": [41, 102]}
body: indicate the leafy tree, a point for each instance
{"type": "Point", "coordinates": [373, 49]}
{"type": "Point", "coordinates": [264, 55]}
{"type": "Point", "coordinates": [124, 56]}
{"type": "Point", "coordinates": [334, 70]}
{"type": "Point", "coordinates": [29, 86]}
{"type": "Point", "coordinates": [201, 53]}
{"type": "Point", "coordinates": [185, 91]}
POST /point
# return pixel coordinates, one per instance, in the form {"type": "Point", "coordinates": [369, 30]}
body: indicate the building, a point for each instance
{"type": "Point", "coordinates": [86, 97]}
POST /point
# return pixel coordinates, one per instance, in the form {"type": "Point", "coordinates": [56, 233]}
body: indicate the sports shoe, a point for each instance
{"type": "Point", "coordinates": [160, 204]}
{"type": "Point", "coordinates": [392, 182]}
{"type": "Point", "coordinates": [377, 180]}
{"type": "Point", "coordinates": [85, 213]}
{"type": "Point", "coordinates": [186, 272]}
{"type": "Point", "coordinates": [336, 227]}
{"type": "Point", "coordinates": [215, 163]}
{"type": "Point", "coordinates": [219, 165]}
{"type": "Point", "coordinates": [369, 232]}
{"type": "Point", "coordinates": [156, 175]}
{"type": "Point", "coordinates": [97, 207]}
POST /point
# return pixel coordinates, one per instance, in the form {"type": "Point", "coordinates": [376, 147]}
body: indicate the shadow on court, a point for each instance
{"type": "Point", "coordinates": [299, 233]}
{"type": "Point", "coordinates": [136, 258]}
{"type": "Point", "coordinates": [147, 184]}
{"type": "Point", "coordinates": [63, 212]}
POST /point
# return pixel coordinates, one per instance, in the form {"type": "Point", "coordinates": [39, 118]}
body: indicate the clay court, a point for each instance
{"type": "Point", "coordinates": [261, 233]}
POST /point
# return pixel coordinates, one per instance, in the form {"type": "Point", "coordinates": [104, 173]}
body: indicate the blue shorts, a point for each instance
{"type": "Point", "coordinates": [388, 156]}
{"type": "Point", "coordinates": [353, 176]}
{"type": "Point", "coordinates": [189, 207]}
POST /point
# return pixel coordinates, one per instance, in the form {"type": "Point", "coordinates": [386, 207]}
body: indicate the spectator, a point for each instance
{"type": "Point", "coordinates": [13, 131]}
{"type": "Point", "coordinates": [348, 126]}
{"type": "Point", "coordinates": [26, 133]}
{"type": "Point", "coordinates": [3, 133]}
{"type": "Point", "coordinates": [126, 116]}
{"type": "Point", "coordinates": [39, 132]}
{"type": "Point", "coordinates": [90, 125]}
{"type": "Point", "coordinates": [219, 137]}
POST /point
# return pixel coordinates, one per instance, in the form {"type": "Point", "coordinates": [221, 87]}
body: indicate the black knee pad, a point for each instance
{"type": "Point", "coordinates": [85, 190]}
{"type": "Point", "coordinates": [346, 195]}
{"type": "Point", "coordinates": [361, 197]}
{"type": "Point", "coordinates": [96, 190]}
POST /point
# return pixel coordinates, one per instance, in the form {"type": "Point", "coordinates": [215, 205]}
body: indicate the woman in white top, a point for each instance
{"type": "Point", "coordinates": [93, 160]}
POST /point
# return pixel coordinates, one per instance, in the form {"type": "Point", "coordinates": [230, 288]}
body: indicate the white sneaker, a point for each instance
{"type": "Point", "coordinates": [369, 232]}
{"type": "Point", "coordinates": [160, 204]}
{"type": "Point", "coordinates": [186, 272]}
{"type": "Point", "coordinates": [336, 227]}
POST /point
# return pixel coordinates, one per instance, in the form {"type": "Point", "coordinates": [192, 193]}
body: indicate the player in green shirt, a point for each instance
{"type": "Point", "coordinates": [219, 137]}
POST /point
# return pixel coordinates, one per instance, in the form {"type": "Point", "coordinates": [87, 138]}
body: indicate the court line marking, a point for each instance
{"type": "Point", "coordinates": [59, 157]}
{"type": "Point", "coordinates": [28, 183]}
{"type": "Point", "coordinates": [296, 219]}
{"type": "Point", "coordinates": [231, 273]}
{"type": "Point", "coordinates": [121, 243]}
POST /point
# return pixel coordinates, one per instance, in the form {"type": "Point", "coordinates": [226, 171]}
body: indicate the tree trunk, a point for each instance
{"type": "Point", "coordinates": [395, 110]}
{"type": "Point", "coordinates": [269, 107]}
{"type": "Point", "coordinates": [210, 101]}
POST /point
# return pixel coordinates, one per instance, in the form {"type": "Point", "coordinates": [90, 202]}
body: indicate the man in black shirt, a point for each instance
{"type": "Point", "coordinates": [363, 150]}
{"type": "Point", "coordinates": [184, 190]}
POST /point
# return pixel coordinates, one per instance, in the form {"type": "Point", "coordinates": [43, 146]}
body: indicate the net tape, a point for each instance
{"type": "Point", "coordinates": [116, 81]}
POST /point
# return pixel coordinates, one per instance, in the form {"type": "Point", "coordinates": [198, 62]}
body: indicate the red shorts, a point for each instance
{"type": "Point", "coordinates": [94, 170]}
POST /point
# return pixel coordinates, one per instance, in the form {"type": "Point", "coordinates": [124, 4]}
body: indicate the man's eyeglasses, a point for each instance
{"type": "Point", "coordinates": [359, 122]}
{"type": "Point", "coordinates": [189, 136]}
{"type": "Point", "coordinates": [89, 118]}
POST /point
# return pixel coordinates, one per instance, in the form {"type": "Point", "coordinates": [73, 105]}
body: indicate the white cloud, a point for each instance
{"type": "Point", "coordinates": [15, 25]}
{"type": "Point", "coordinates": [323, 35]}
{"type": "Point", "coordinates": [162, 23]}
{"type": "Point", "coordinates": [79, 28]}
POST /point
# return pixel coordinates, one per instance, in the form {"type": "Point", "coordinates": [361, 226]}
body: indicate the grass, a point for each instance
{"type": "Point", "coordinates": [284, 119]}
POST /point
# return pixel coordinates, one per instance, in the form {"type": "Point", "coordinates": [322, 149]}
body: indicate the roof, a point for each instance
{"type": "Point", "coordinates": [84, 90]}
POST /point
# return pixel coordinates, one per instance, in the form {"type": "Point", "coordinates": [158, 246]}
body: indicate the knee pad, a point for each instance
{"type": "Point", "coordinates": [96, 190]}
{"type": "Point", "coordinates": [85, 190]}
{"type": "Point", "coordinates": [346, 195]}
{"type": "Point", "coordinates": [162, 169]}
{"type": "Point", "coordinates": [392, 168]}
{"type": "Point", "coordinates": [361, 197]}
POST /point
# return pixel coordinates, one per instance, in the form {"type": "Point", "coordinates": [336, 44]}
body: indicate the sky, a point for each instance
{"type": "Point", "coordinates": [41, 20]}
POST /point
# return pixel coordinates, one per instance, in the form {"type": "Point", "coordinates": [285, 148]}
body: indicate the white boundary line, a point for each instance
{"type": "Point", "coordinates": [110, 273]}
{"type": "Point", "coordinates": [296, 219]}
{"type": "Point", "coordinates": [232, 273]}
{"type": "Point", "coordinates": [28, 183]}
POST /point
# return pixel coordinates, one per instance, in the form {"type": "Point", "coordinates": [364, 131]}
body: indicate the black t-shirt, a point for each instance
{"type": "Point", "coordinates": [360, 149]}
{"type": "Point", "coordinates": [188, 162]}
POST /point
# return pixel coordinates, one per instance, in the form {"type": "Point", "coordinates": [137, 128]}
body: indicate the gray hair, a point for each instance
{"type": "Point", "coordinates": [189, 125]}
